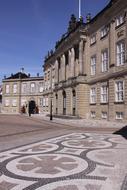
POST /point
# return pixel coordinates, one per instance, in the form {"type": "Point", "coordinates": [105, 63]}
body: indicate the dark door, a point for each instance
{"type": "Point", "coordinates": [32, 107]}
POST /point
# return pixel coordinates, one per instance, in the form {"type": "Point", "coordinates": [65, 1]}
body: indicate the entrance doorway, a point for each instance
{"type": "Point", "coordinates": [32, 107]}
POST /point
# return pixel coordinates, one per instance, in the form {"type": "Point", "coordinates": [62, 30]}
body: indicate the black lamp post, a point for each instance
{"type": "Point", "coordinates": [51, 110]}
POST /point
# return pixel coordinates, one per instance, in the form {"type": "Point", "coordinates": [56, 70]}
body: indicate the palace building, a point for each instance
{"type": "Point", "coordinates": [86, 75]}
{"type": "Point", "coordinates": [19, 91]}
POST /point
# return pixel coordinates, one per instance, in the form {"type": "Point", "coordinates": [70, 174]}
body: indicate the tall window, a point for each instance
{"type": "Point", "coordinates": [56, 104]}
{"type": "Point", "coordinates": [7, 89]}
{"type": "Point", "coordinates": [46, 102]}
{"type": "Point", "coordinates": [64, 103]}
{"type": "Point", "coordinates": [119, 90]}
{"type": "Point", "coordinates": [74, 102]}
{"type": "Point", "coordinates": [14, 102]}
{"type": "Point", "coordinates": [32, 87]}
{"type": "Point", "coordinates": [120, 53]}
{"type": "Point", "coordinates": [41, 87]}
{"type": "Point", "coordinates": [93, 65]}
{"type": "Point", "coordinates": [104, 31]}
{"type": "Point", "coordinates": [120, 20]}
{"type": "Point", "coordinates": [15, 88]}
{"type": "Point", "coordinates": [104, 94]}
{"type": "Point", "coordinates": [93, 95]}
{"type": "Point", "coordinates": [93, 39]}
{"type": "Point", "coordinates": [7, 102]}
{"type": "Point", "coordinates": [24, 88]}
{"type": "Point", "coordinates": [104, 60]}
{"type": "Point", "coordinates": [40, 101]}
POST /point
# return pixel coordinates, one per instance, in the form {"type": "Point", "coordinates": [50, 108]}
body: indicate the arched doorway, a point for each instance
{"type": "Point", "coordinates": [64, 103]}
{"type": "Point", "coordinates": [32, 107]}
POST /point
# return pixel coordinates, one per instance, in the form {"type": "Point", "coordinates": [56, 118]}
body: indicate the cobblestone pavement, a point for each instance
{"type": "Point", "coordinates": [75, 161]}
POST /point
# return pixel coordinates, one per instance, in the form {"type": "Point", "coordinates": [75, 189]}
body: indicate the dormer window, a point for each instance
{"type": "Point", "coordinates": [104, 31]}
{"type": "Point", "coordinates": [119, 20]}
{"type": "Point", "coordinates": [93, 39]}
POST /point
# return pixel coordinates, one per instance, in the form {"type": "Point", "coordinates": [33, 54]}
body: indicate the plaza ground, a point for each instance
{"type": "Point", "coordinates": [61, 155]}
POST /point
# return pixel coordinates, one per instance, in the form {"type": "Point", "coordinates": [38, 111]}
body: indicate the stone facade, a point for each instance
{"type": "Point", "coordinates": [87, 72]}
{"type": "Point", "coordinates": [19, 90]}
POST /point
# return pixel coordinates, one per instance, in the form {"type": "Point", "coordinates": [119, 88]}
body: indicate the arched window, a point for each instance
{"type": "Point", "coordinates": [64, 103]}
{"type": "Point", "coordinates": [74, 102]}
{"type": "Point", "coordinates": [56, 103]}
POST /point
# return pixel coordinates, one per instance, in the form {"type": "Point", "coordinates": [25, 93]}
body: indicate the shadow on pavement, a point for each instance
{"type": "Point", "coordinates": [122, 132]}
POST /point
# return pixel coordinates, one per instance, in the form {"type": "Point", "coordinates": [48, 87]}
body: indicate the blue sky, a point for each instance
{"type": "Point", "coordinates": [29, 28]}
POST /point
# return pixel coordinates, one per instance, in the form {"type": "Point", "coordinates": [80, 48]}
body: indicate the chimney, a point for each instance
{"type": "Point", "coordinates": [88, 17]}
{"type": "Point", "coordinates": [37, 74]}
{"type": "Point", "coordinates": [22, 70]}
{"type": "Point", "coordinates": [28, 74]}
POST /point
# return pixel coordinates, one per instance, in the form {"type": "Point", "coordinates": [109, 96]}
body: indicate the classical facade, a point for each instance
{"type": "Point", "coordinates": [86, 74]}
{"type": "Point", "coordinates": [19, 91]}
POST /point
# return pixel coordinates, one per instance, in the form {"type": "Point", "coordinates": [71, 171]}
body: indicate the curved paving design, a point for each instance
{"type": "Point", "coordinates": [78, 161]}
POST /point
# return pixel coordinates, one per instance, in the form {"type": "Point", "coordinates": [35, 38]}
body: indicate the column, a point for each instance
{"type": "Point", "coordinates": [72, 62]}
{"type": "Point", "coordinates": [81, 57]}
{"type": "Point", "coordinates": [56, 72]}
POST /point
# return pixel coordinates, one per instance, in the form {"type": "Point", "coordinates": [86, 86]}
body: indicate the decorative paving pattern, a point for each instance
{"type": "Point", "coordinates": [78, 161]}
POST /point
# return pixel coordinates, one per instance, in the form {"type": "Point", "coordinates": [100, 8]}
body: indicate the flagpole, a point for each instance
{"type": "Point", "coordinates": [79, 9]}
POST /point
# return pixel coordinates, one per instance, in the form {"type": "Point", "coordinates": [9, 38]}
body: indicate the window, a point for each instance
{"type": "Point", "coordinates": [104, 60]}
{"type": "Point", "coordinates": [119, 115]}
{"type": "Point", "coordinates": [15, 88]}
{"type": "Point", "coordinates": [119, 90]}
{"type": "Point", "coordinates": [93, 95]}
{"type": "Point", "coordinates": [120, 53]}
{"type": "Point", "coordinates": [53, 82]}
{"type": "Point", "coordinates": [104, 94]}
{"type": "Point", "coordinates": [104, 31]}
{"type": "Point", "coordinates": [74, 102]}
{"type": "Point", "coordinates": [7, 102]}
{"type": "Point", "coordinates": [93, 65]}
{"type": "Point", "coordinates": [64, 103]}
{"type": "Point", "coordinates": [32, 87]}
{"type": "Point", "coordinates": [41, 102]}
{"type": "Point", "coordinates": [104, 115]}
{"type": "Point", "coordinates": [14, 103]}
{"type": "Point", "coordinates": [41, 88]}
{"type": "Point", "coordinates": [56, 103]}
{"type": "Point", "coordinates": [24, 88]}
{"type": "Point", "coordinates": [7, 89]}
{"type": "Point", "coordinates": [119, 20]}
{"type": "Point", "coordinates": [93, 39]}
{"type": "Point", "coordinates": [46, 101]}
{"type": "Point", "coordinates": [93, 114]}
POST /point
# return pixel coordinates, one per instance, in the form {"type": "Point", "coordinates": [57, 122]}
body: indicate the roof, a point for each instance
{"type": "Point", "coordinates": [18, 75]}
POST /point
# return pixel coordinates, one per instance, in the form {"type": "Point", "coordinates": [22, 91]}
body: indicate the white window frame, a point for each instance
{"type": "Point", "coordinates": [7, 102]}
{"type": "Point", "coordinates": [119, 91]}
{"type": "Point", "coordinates": [104, 115]}
{"type": "Point", "coordinates": [93, 39]}
{"type": "Point", "coordinates": [119, 20]}
{"type": "Point", "coordinates": [104, 94]}
{"type": "Point", "coordinates": [104, 60]}
{"type": "Point", "coordinates": [7, 88]}
{"type": "Point", "coordinates": [14, 103]}
{"type": "Point", "coordinates": [120, 53]}
{"type": "Point", "coordinates": [93, 65]}
{"type": "Point", "coordinates": [32, 87]}
{"type": "Point", "coordinates": [15, 88]}
{"type": "Point", "coordinates": [119, 115]}
{"type": "Point", "coordinates": [41, 87]}
{"type": "Point", "coordinates": [93, 114]}
{"type": "Point", "coordinates": [93, 95]}
{"type": "Point", "coordinates": [104, 31]}
{"type": "Point", "coordinates": [24, 87]}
